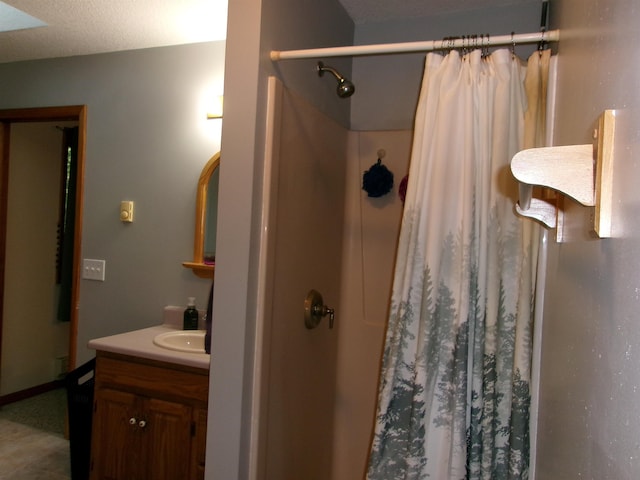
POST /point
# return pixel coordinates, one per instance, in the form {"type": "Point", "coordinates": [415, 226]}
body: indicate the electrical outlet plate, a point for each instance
{"type": "Point", "coordinates": [93, 269]}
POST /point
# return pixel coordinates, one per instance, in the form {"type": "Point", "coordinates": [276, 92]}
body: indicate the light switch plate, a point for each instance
{"type": "Point", "coordinates": [93, 269]}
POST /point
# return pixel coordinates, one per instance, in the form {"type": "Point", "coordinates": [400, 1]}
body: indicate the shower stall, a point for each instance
{"type": "Point", "coordinates": [318, 387]}
{"type": "Point", "coordinates": [324, 233]}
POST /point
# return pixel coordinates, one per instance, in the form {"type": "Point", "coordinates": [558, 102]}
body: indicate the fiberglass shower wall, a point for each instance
{"type": "Point", "coordinates": [299, 366]}
{"type": "Point", "coordinates": [320, 385]}
{"type": "Point", "coordinates": [369, 245]}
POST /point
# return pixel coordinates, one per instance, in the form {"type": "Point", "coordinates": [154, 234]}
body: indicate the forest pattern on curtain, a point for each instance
{"type": "Point", "coordinates": [454, 387]}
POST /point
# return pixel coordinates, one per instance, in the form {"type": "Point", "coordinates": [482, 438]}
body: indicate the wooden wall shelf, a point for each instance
{"type": "Point", "coordinates": [201, 270]}
{"type": "Point", "coordinates": [582, 172]}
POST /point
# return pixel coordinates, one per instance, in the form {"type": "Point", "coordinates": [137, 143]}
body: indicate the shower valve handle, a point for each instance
{"type": "Point", "coordinates": [323, 311]}
{"type": "Point", "coordinates": [315, 309]}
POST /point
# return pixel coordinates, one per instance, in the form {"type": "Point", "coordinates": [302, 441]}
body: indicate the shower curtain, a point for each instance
{"type": "Point", "coordinates": [454, 395]}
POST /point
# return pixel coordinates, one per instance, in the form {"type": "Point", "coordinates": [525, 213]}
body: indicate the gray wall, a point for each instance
{"type": "Point", "coordinates": [291, 25]}
{"type": "Point", "coordinates": [147, 141]}
{"type": "Point", "coordinates": [589, 405]}
{"type": "Point", "coordinates": [387, 86]}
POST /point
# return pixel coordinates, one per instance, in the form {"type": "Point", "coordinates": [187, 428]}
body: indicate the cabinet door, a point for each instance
{"type": "Point", "coordinates": [167, 439]}
{"type": "Point", "coordinates": [116, 436]}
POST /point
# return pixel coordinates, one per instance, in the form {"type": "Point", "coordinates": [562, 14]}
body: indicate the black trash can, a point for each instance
{"type": "Point", "coordinates": [80, 384]}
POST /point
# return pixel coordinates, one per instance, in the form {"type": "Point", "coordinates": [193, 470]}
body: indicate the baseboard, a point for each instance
{"type": "Point", "coordinates": [30, 392]}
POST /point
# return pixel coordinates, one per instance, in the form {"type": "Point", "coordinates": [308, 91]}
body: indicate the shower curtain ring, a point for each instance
{"type": "Point", "coordinates": [542, 42]}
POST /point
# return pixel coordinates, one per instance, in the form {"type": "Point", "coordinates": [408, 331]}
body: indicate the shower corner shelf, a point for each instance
{"type": "Point", "coordinates": [582, 172]}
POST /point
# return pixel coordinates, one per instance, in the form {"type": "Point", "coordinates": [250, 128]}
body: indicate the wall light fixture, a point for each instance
{"type": "Point", "coordinates": [215, 110]}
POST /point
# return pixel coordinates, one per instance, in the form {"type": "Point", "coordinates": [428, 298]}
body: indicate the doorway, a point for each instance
{"type": "Point", "coordinates": [12, 121]}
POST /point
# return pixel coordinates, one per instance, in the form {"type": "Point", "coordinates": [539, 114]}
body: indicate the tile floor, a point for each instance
{"type": "Point", "coordinates": [32, 443]}
{"type": "Point", "coordinates": [27, 453]}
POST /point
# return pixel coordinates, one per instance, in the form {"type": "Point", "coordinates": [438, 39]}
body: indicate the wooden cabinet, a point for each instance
{"type": "Point", "coordinates": [149, 420]}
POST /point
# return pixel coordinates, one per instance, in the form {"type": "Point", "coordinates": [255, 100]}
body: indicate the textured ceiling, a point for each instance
{"type": "Point", "coordinates": [81, 27]}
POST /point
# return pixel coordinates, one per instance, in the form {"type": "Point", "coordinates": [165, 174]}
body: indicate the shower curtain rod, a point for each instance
{"type": "Point", "coordinates": [425, 46]}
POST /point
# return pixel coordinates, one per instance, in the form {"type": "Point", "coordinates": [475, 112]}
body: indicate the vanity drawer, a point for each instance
{"type": "Point", "coordinates": [152, 378]}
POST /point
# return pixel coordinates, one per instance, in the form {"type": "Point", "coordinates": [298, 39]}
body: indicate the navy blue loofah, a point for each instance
{"type": "Point", "coordinates": [378, 180]}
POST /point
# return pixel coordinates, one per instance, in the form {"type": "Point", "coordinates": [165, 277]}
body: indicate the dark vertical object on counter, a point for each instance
{"type": "Point", "coordinates": [207, 336]}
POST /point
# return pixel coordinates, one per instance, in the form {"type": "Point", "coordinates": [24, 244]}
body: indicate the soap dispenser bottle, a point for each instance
{"type": "Point", "coordinates": [190, 319]}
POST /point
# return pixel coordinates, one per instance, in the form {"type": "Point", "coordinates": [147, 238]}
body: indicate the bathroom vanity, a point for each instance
{"type": "Point", "coordinates": [150, 409]}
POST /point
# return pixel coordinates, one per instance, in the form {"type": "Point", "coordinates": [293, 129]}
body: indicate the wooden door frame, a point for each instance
{"type": "Point", "coordinates": [46, 114]}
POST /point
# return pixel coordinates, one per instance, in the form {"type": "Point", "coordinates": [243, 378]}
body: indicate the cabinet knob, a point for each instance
{"type": "Point", "coordinates": [132, 421]}
{"type": "Point", "coordinates": [142, 423]}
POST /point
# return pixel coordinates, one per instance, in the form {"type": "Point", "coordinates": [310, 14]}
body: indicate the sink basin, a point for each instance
{"type": "Point", "coordinates": [191, 341]}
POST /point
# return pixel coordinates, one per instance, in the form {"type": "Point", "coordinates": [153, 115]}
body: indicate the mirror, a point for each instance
{"type": "Point", "coordinates": [204, 240]}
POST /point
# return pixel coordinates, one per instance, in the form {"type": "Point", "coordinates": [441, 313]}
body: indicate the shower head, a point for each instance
{"type": "Point", "coordinates": [345, 87]}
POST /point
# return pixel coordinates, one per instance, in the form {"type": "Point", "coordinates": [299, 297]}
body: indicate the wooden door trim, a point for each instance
{"type": "Point", "coordinates": [5, 129]}
{"type": "Point", "coordinates": [42, 114]}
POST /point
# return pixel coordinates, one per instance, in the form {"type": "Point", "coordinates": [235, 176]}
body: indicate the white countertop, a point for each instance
{"type": "Point", "coordinates": [139, 343]}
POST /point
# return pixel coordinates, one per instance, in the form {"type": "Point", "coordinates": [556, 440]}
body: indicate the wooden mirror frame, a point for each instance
{"type": "Point", "coordinates": [198, 266]}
